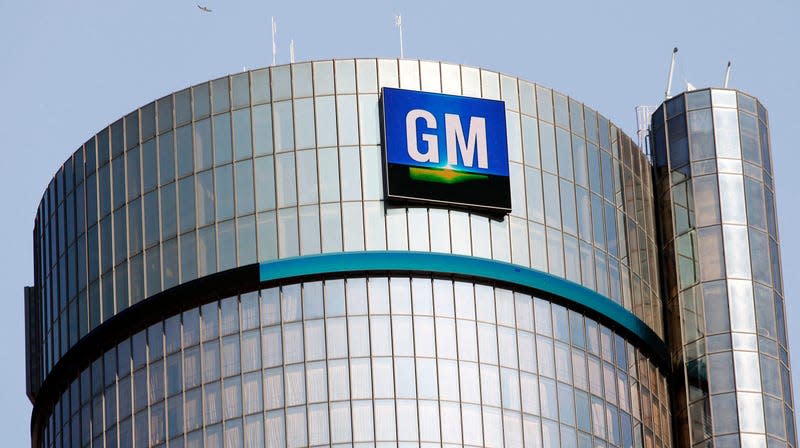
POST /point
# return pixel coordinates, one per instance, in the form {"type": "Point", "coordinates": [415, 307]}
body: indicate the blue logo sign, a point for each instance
{"type": "Point", "coordinates": [457, 142]}
{"type": "Point", "coordinates": [445, 131]}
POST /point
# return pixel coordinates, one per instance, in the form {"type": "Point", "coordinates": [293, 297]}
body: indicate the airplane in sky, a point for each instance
{"type": "Point", "coordinates": [203, 8]}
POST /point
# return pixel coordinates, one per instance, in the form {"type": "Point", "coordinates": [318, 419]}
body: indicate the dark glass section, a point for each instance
{"type": "Point", "coordinates": [675, 107]}
{"type": "Point", "coordinates": [148, 121]}
{"type": "Point", "coordinates": [131, 131]}
{"type": "Point", "coordinates": [103, 149]}
{"type": "Point", "coordinates": [164, 111]}
{"type": "Point", "coordinates": [678, 141]}
{"type": "Point", "coordinates": [487, 191]}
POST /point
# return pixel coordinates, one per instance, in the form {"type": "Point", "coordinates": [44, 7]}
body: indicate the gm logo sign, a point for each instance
{"type": "Point", "coordinates": [446, 149]}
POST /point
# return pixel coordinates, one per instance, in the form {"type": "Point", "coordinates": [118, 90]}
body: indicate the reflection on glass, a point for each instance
{"type": "Point", "coordinates": [367, 75]}
{"type": "Point", "coordinates": [201, 100]}
{"type": "Point", "coordinates": [202, 145]}
{"type": "Point", "coordinates": [242, 147]}
{"type": "Point", "coordinates": [301, 80]}
{"type": "Point", "coordinates": [262, 130]}
{"type": "Point", "coordinates": [240, 90]}
{"type": "Point", "coordinates": [223, 187]}
{"type": "Point", "coordinates": [282, 117]}
{"type": "Point", "coordinates": [222, 139]}
{"type": "Point", "coordinates": [726, 132]}
{"type": "Point", "coordinates": [323, 78]}
{"type": "Point", "coordinates": [304, 123]}
{"type": "Point", "coordinates": [204, 187]}
{"type": "Point", "coordinates": [281, 83]}
{"type": "Point", "coordinates": [700, 133]}
{"type": "Point", "coordinates": [347, 119]}
{"type": "Point", "coordinates": [345, 76]}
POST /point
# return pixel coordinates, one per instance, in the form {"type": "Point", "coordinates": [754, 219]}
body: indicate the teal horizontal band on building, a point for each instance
{"type": "Point", "coordinates": [547, 285]}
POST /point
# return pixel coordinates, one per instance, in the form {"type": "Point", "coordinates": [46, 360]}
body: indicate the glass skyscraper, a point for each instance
{"type": "Point", "coordinates": [221, 267]}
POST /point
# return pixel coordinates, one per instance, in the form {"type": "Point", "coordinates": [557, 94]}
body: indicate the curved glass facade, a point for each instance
{"type": "Point", "coordinates": [722, 271]}
{"type": "Point", "coordinates": [365, 362]}
{"type": "Point", "coordinates": [286, 161]}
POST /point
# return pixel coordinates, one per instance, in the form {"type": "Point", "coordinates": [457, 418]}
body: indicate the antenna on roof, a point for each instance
{"type": "Point", "coordinates": [398, 22]}
{"type": "Point", "coordinates": [274, 47]}
{"type": "Point", "coordinates": [671, 71]}
{"type": "Point", "coordinates": [727, 75]}
{"type": "Point", "coordinates": [291, 51]}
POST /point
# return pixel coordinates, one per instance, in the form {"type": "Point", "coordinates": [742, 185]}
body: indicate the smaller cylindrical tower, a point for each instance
{"type": "Point", "coordinates": [722, 274]}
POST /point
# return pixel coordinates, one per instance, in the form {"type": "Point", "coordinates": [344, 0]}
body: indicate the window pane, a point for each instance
{"type": "Point", "coordinates": [347, 119]}
{"type": "Point", "coordinates": [307, 177]}
{"type": "Point", "coordinates": [726, 132]}
{"type": "Point", "coordinates": [262, 129]}
{"type": "Point", "coordinates": [204, 187]}
{"type": "Point", "coordinates": [240, 90]}
{"type": "Point", "coordinates": [241, 134]}
{"type": "Point", "coordinates": [265, 183]}
{"type": "Point", "coordinates": [323, 77]}
{"type": "Point", "coordinates": [222, 139]}
{"type": "Point", "coordinates": [201, 101]}
{"type": "Point", "coordinates": [245, 201]}
{"type": "Point", "coordinates": [326, 121]}
{"type": "Point", "coordinates": [286, 183]}
{"type": "Point", "coordinates": [223, 177]}
{"type": "Point", "coordinates": [282, 117]}
{"type": "Point", "coordinates": [304, 123]}
{"type": "Point", "coordinates": [184, 150]}
{"type": "Point", "coordinates": [202, 145]}
{"type": "Point", "coordinates": [220, 95]}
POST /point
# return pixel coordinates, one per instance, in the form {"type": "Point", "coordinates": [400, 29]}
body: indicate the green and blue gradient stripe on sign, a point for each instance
{"type": "Point", "coordinates": [547, 285]}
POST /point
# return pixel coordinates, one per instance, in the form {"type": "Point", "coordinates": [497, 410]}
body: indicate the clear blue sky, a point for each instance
{"type": "Point", "coordinates": [70, 68]}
